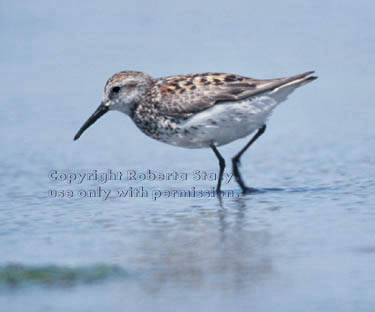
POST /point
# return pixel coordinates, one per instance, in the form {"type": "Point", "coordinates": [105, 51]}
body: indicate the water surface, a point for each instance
{"type": "Point", "coordinates": [305, 243]}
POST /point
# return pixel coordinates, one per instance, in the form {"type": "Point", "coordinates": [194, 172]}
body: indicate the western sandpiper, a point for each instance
{"type": "Point", "coordinates": [204, 110]}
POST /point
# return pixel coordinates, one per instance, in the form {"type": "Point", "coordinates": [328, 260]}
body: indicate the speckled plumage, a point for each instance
{"type": "Point", "coordinates": [164, 110]}
{"type": "Point", "coordinates": [196, 110]}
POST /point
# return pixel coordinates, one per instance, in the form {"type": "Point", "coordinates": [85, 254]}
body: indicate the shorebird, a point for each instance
{"type": "Point", "coordinates": [205, 110]}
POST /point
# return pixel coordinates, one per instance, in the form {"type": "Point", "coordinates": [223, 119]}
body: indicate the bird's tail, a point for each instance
{"type": "Point", "coordinates": [291, 83]}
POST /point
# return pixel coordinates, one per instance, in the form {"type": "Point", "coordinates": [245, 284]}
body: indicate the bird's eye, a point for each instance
{"type": "Point", "coordinates": [116, 89]}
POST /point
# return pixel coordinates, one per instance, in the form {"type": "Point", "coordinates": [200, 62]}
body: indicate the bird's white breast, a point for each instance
{"type": "Point", "coordinates": [223, 123]}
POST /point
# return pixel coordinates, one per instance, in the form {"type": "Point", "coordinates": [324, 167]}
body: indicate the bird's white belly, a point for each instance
{"type": "Point", "coordinates": [224, 123]}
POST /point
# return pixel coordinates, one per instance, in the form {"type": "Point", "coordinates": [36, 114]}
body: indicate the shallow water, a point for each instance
{"type": "Point", "coordinates": [305, 242]}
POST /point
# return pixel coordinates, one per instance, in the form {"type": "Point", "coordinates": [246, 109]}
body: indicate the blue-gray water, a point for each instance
{"type": "Point", "coordinates": [309, 245]}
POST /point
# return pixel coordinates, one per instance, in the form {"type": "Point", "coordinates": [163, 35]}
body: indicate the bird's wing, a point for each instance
{"type": "Point", "coordinates": [188, 94]}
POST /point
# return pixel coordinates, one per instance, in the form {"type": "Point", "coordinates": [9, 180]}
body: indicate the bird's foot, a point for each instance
{"type": "Point", "coordinates": [249, 190]}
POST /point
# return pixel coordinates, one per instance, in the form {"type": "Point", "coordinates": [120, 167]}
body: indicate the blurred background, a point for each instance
{"type": "Point", "coordinates": [309, 245]}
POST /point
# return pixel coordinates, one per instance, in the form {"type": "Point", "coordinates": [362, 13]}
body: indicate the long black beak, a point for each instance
{"type": "Point", "coordinates": [100, 111]}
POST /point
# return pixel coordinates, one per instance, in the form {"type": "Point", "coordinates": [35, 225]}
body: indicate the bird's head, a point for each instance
{"type": "Point", "coordinates": [122, 92]}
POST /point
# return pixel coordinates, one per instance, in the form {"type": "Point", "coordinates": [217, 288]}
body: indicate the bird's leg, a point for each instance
{"type": "Point", "coordinates": [222, 166]}
{"type": "Point", "coordinates": [236, 160]}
